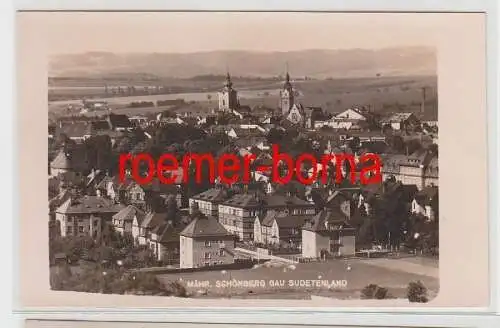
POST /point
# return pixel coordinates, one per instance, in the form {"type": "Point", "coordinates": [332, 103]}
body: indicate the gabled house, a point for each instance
{"type": "Point", "coordinates": [287, 203]}
{"type": "Point", "coordinates": [164, 242]}
{"type": "Point", "coordinates": [209, 200]}
{"type": "Point", "coordinates": [123, 221]}
{"type": "Point", "coordinates": [279, 228]}
{"type": "Point", "coordinates": [150, 222]}
{"type": "Point", "coordinates": [401, 121]}
{"type": "Point", "coordinates": [341, 200]}
{"type": "Point", "coordinates": [75, 130]}
{"type": "Point", "coordinates": [205, 242]}
{"type": "Point", "coordinates": [69, 166]}
{"type": "Point", "coordinates": [85, 216]}
{"type": "Point", "coordinates": [114, 189]}
{"type": "Point", "coordinates": [328, 235]}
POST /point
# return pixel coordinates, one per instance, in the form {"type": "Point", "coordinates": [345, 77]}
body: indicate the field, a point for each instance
{"type": "Point", "coordinates": [394, 276]}
{"type": "Point", "coordinates": [382, 94]}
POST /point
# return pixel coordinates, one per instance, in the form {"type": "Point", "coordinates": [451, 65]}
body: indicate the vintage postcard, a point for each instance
{"type": "Point", "coordinates": [243, 159]}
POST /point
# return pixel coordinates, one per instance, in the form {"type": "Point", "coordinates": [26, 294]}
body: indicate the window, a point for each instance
{"type": "Point", "coordinates": [207, 256]}
{"type": "Point", "coordinates": [81, 229]}
{"type": "Point", "coordinates": [69, 230]}
{"type": "Point", "coordinates": [207, 243]}
{"type": "Point", "coordinates": [221, 252]}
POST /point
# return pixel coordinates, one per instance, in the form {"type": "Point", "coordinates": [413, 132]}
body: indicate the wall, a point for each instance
{"type": "Point", "coordinates": [348, 247]}
{"type": "Point", "coordinates": [186, 252]}
{"type": "Point", "coordinates": [308, 243]}
{"type": "Point", "coordinates": [199, 249]}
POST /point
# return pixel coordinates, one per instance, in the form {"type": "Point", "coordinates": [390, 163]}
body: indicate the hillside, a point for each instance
{"type": "Point", "coordinates": [311, 63]}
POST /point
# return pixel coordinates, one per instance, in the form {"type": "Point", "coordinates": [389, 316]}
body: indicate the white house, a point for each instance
{"type": "Point", "coordinates": [328, 235]}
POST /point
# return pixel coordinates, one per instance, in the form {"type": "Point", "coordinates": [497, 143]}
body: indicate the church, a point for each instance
{"type": "Point", "coordinates": [228, 97]}
{"type": "Point", "coordinates": [291, 111]}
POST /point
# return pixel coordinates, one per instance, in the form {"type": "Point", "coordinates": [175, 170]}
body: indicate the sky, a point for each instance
{"type": "Point", "coordinates": [176, 32]}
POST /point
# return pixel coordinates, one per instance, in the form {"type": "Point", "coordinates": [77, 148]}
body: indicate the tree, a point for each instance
{"type": "Point", "coordinates": [172, 210]}
{"type": "Point", "coordinates": [417, 292]}
{"type": "Point", "coordinates": [397, 144]}
{"type": "Point", "coordinates": [275, 136]}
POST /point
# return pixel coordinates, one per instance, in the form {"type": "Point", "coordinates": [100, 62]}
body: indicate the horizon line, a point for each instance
{"type": "Point", "coordinates": [239, 50]}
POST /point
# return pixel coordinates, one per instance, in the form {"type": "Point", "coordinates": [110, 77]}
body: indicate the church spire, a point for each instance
{"type": "Point", "coordinates": [288, 84]}
{"type": "Point", "coordinates": [228, 83]}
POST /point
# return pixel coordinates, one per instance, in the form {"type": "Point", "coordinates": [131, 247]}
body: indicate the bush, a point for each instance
{"type": "Point", "coordinates": [373, 291]}
{"type": "Point", "coordinates": [176, 288]}
{"type": "Point", "coordinates": [417, 292]}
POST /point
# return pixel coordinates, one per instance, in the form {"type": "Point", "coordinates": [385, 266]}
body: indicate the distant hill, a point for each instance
{"type": "Point", "coordinates": [311, 63]}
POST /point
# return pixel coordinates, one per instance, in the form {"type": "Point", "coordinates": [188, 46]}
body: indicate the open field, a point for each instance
{"type": "Point", "coordinates": [395, 277]}
{"type": "Point", "coordinates": [382, 94]}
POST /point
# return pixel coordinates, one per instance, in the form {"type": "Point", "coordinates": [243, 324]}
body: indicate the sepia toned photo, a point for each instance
{"type": "Point", "coordinates": [226, 157]}
{"type": "Point", "coordinates": [125, 230]}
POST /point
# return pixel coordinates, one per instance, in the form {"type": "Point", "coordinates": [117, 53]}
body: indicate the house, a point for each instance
{"type": "Point", "coordinates": [145, 228]}
{"type": "Point", "coordinates": [313, 115]}
{"type": "Point", "coordinates": [426, 203]}
{"type": "Point", "coordinates": [328, 235]}
{"type": "Point", "coordinates": [114, 189]}
{"type": "Point", "coordinates": [58, 200]}
{"type": "Point", "coordinates": [150, 196]}
{"type": "Point", "coordinates": [164, 242]}
{"type": "Point", "coordinates": [279, 228]}
{"type": "Point", "coordinates": [85, 216]}
{"type": "Point", "coordinates": [401, 121]}
{"type": "Point", "coordinates": [342, 200]}
{"type": "Point", "coordinates": [75, 130]}
{"type": "Point", "coordinates": [420, 168]}
{"type": "Point", "coordinates": [238, 213]}
{"type": "Point", "coordinates": [353, 114]}
{"type": "Point", "coordinates": [205, 242]}
{"type": "Point", "coordinates": [209, 200]}
{"type": "Point", "coordinates": [288, 203]}
{"type": "Point", "coordinates": [67, 166]}
{"type": "Point", "coordinates": [119, 122]}
{"type": "Point", "coordinates": [123, 221]}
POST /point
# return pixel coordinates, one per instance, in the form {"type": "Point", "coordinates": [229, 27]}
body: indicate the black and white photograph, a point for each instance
{"type": "Point", "coordinates": [256, 156]}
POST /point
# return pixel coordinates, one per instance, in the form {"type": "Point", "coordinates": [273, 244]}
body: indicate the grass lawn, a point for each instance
{"type": "Point", "coordinates": [360, 275]}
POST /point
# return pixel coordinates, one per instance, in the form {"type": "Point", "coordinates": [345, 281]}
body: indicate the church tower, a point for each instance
{"type": "Point", "coordinates": [286, 96]}
{"type": "Point", "coordinates": [228, 97]}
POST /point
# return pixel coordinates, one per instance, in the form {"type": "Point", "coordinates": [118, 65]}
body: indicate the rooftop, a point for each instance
{"type": "Point", "coordinates": [204, 226]}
